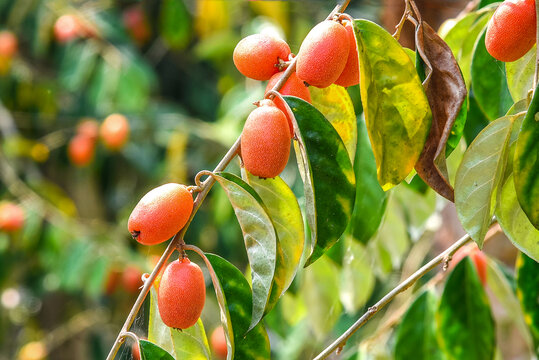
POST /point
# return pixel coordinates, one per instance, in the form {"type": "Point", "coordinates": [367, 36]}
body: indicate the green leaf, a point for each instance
{"type": "Point", "coordinates": [158, 332]}
{"type": "Point", "coordinates": [476, 119]}
{"type": "Point", "coordinates": [396, 108]}
{"type": "Point", "coordinates": [320, 292]}
{"type": "Point", "coordinates": [489, 82]}
{"type": "Point", "coordinates": [356, 277]}
{"type": "Point", "coordinates": [526, 162]}
{"type": "Point", "coordinates": [371, 200]}
{"type": "Point", "coordinates": [528, 293]}
{"type": "Point", "coordinates": [328, 177]}
{"type": "Point", "coordinates": [478, 175]}
{"type": "Point", "coordinates": [283, 208]}
{"type": "Point", "coordinates": [458, 129]}
{"type": "Point", "coordinates": [237, 302]}
{"type": "Point", "coordinates": [259, 235]}
{"type": "Point", "coordinates": [520, 75]}
{"type": "Point", "coordinates": [150, 351]}
{"type": "Point", "coordinates": [134, 85]}
{"type": "Point", "coordinates": [336, 106]}
{"type": "Point", "coordinates": [514, 221]}
{"type": "Point", "coordinates": [77, 65]}
{"type": "Point", "coordinates": [465, 325]}
{"type": "Point", "coordinates": [416, 335]}
{"type": "Point", "coordinates": [175, 23]}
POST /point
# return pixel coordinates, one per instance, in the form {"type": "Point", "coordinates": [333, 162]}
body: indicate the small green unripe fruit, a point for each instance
{"type": "Point", "coordinates": [160, 214]}
{"type": "Point", "coordinates": [350, 74]}
{"type": "Point", "coordinates": [294, 87]}
{"type": "Point", "coordinates": [181, 294]}
{"type": "Point", "coordinates": [511, 30]}
{"type": "Point", "coordinates": [323, 54]}
{"type": "Point", "coordinates": [257, 56]}
{"type": "Point", "coordinates": [265, 141]}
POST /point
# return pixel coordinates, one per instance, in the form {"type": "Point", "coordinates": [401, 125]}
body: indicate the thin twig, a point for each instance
{"type": "Point", "coordinates": [341, 341]}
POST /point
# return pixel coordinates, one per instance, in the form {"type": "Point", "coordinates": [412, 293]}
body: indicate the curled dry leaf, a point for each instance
{"type": "Point", "coordinates": [446, 91]}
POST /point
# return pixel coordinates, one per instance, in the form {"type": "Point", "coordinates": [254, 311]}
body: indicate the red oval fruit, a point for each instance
{"type": "Point", "coordinates": [265, 141]}
{"type": "Point", "coordinates": [181, 294]}
{"type": "Point", "coordinates": [477, 256]}
{"type": "Point", "coordinates": [350, 74]}
{"type": "Point", "coordinates": [293, 87]}
{"type": "Point", "coordinates": [136, 23]}
{"type": "Point", "coordinates": [512, 29]}
{"type": "Point", "coordinates": [115, 131]}
{"type": "Point", "coordinates": [323, 54]}
{"type": "Point", "coordinates": [257, 56]}
{"type": "Point", "coordinates": [67, 27]}
{"type": "Point", "coordinates": [11, 217]}
{"type": "Point", "coordinates": [88, 127]}
{"type": "Point", "coordinates": [81, 149]}
{"type": "Point", "coordinates": [132, 279]}
{"type": "Point", "coordinates": [218, 342]}
{"type": "Point", "coordinates": [135, 351]}
{"type": "Point", "coordinates": [160, 214]}
{"type": "Point", "coordinates": [113, 279]}
{"type": "Point", "coordinates": [8, 44]}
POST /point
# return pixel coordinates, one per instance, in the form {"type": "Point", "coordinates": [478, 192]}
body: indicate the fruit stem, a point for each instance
{"type": "Point", "coordinates": [205, 187]}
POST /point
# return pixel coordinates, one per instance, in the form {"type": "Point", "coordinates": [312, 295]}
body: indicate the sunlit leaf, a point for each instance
{"type": "Point", "coordinates": [286, 216]}
{"type": "Point", "coordinates": [150, 351]}
{"type": "Point", "coordinates": [416, 335]}
{"type": "Point", "coordinates": [77, 65]}
{"type": "Point", "coordinates": [237, 298]}
{"type": "Point", "coordinates": [259, 235]}
{"type": "Point", "coordinates": [489, 82]}
{"type": "Point", "coordinates": [520, 75]}
{"type": "Point", "coordinates": [371, 200]}
{"type": "Point", "coordinates": [528, 293]}
{"type": "Point", "coordinates": [175, 23]}
{"type": "Point", "coordinates": [479, 173]}
{"type": "Point", "coordinates": [329, 177]}
{"type": "Point", "coordinates": [526, 162]}
{"type": "Point", "coordinates": [514, 221]}
{"type": "Point", "coordinates": [465, 324]}
{"type": "Point", "coordinates": [336, 105]}
{"type": "Point", "coordinates": [446, 92]}
{"type": "Point", "coordinates": [396, 108]}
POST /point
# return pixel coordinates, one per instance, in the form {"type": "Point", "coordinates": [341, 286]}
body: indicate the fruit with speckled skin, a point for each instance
{"type": "Point", "coordinates": [181, 294]}
{"type": "Point", "coordinates": [257, 56]}
{"type": "Point", "coordinates": [11, 217]}
{"type": "Point", "coordinates": [511, 30]}
{"type": "Point", "coordinates": [293, 87]}
{"type": "Point", "coordinates": [218, 342]}
{"type": "Point", "coordinates": [114, 131]}
{"type": "Point", "coordinates": [323, 54]}
{"type": "Point", "coordinates": [350, 74]}
{"type": "Point", "coordinates": [81, 149]}
{"type": "Point", "coordinates": [265, 141]}
{"type": "Point", "coordinates": [160, 214]}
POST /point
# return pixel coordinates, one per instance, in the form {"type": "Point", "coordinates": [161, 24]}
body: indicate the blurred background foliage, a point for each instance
{"type": "Point", "coordinates": [69, 277]}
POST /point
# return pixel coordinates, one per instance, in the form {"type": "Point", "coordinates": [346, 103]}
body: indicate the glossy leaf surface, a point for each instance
{"type": "Point", "coordinates": [150, 351]}
{"type": "Point", "coordinates": [259, 236]}
{"type": "Point", "coordinates": [528, 293]}
{"type": "Point", "coordinates": [328, 177]}
{"type": "Point", "coordinates": [396, 108]}
{"type": "Point", "coordinates": [520, 75]}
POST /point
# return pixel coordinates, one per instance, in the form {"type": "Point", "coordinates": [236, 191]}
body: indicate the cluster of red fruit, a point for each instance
{"type": "Point", "coordinates": [511, 31]}
{"type": "Point", "coordinates": [158, 216]}
{"type": "Point", "coordinates": [69, 27]}
{"type": "Point", "coordinates": [114, 132]}
{"type": "Point", "coordinates": [328, 55]}
{"type": "Point", "coordinates": [11, 217]}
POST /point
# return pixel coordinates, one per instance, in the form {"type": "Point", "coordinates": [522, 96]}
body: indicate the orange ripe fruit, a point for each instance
{"type": "Point", "coordinates": [89, 128]}
{"type": "Point", "coordinates": [11, 216]}
{"type": "Point", "coordinates": [81, 149]}
{"type": "Point", "coordinates": [478, 257]}
{"type": "Point", "coordinates": [115, 131]}
{"type": "Point", "coordinates": [132, 279]}
{"type": "Point", "coordinates": [293, 87]}
{"type": "Point", "coordinates": [350, 74]}
{"type": "Point", "coordinates": [136, 23]}
{"type": "Point", "coordinates": [66, 28]}
{"type": "Point", "coordinates": [218, 342]}
{"type": "Point", "coordinates": [135, 351]}
{"type": "Point", "coordinates": [160, 214]}
{"type": "Point", "coordinates": [323, 54]}
{"type": "Point", "coordinates": [182, 294]}
{"type": "Point", "coordinates": [113, 279]}
{"type": "Point", "coordinates": [8, 44]}
{"type": "Point", "coordinates": [257, 56]}
{"type": "Point", "coordinates": [265, 141]}
{"type": "Point", "coordinates": [511, 30]}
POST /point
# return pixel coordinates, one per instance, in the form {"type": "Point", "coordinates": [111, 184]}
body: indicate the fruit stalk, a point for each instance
{"type": "Point", "coordinates": [205, 188]}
